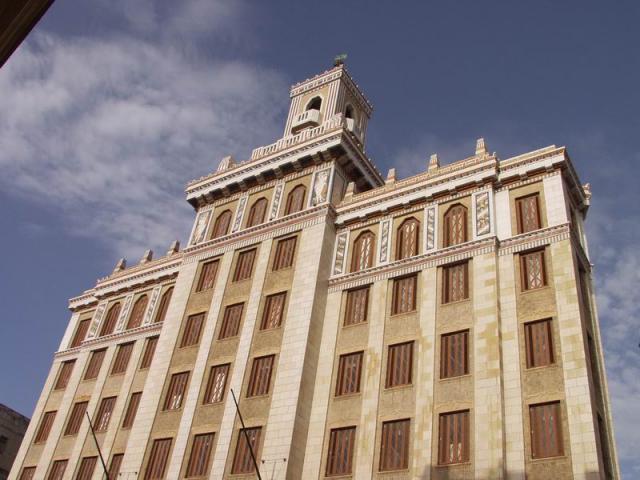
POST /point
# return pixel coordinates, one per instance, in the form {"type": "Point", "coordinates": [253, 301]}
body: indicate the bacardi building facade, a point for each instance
{"type": "Point", "coordinates": [441, 326]}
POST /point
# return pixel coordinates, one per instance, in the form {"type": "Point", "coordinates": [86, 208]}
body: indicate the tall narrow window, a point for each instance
{"type": "Point", "coordinates": [95, 362]}
{"type": "Point", "coordinates": [407, 239]}
{"type": "Point", "coordinates": [132, 409]}
{"type": "Point", "coordinates": [149, 351]}
{"type": "Point", "coordinates": [221, 225]}
{"type": "Point", "coordinates": [28, 473]}
{"type": "Point", "coordinates": [404, 295]}
{"type": "Point", "coordinates": [45, 427]}
{"type": "Point", "coordinates": [539, 343]}
{"type": "Point", "coordinates": [57, 470]}
{"type": "Point", "coordinates": [454, 354]}
{"type": "Point", "coordinates": [257, 212]}
{"type": "Point", "coordinates": [110, 320]}
{"type": "Point", "coordinates": [349, 373]}
{"type": "Point", "coordinates": [453, 442]}
{"type": "Point", "coordinates": [455, 282]}
{"type": "Point", "coordinates": [114, 468]}
{"type": "Point", "coordinates": [176, 391]}
{"type": "Point", "coordinates": [198, 465]}
{"type": "Point", "coordinates": [399, 365]}
{"type": "Point", "coordinates": [164, 306]}
{"type": "Point", "coordinates": [231, 321]}
{"type": "Point", "coordinates": [207, 276]}
{"type": "Point", "coordinates": [284, 253]}
{"type": "Point", "coordinates": [244, 265]}
{"type": "Point", "coordinates": [528, 213]}
{"type": "Point", "coordinates": [81, 332]}
{"type": "Point", "coordinates": [357, 306]}
{"type": "Point", "coordinates": [192, 330]}
{"type": "Point", "coordinates": [66, 368]}
{"type": "Point", "coordinates": [295, 200]}
{"type": "Point", "coordinates": [260, 376]}
{"type": "Point", "coordinates": [341, 446]}
{"type": "Point", "coordinates": [87, 466]}
{"type": "Point", "coordinates": [104, 414]}
{"type": "Point", "coordinates": [394, 448]}
{"type": "Point", "coordinates": [217, 383]}
{"type": "Point", "coordinates": [363, 248]}
{"type": "Point", "coordinates": [455, 226]}
{"type": "Point", "coordinates": [137, 313]}
{"type": "Point", "coordinates": [532, 270]}
{"type": "Point", "coordinates": [242, 461]}
{"type": "Point", "coordinates": [546, 430]}
{"type": "Point", "coordinates": [273, 308]}
{"type": "Point", "coordinates": [75, 418]}
{"type": "Point", "coordinates": [122, 358]}
{"type": "Point", "coordinates": [158, 459]}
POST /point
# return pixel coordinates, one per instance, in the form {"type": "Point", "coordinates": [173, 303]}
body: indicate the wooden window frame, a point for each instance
{"type": "Point", "coordinates": [261, 374]}
{"type": "Point", "coordinates": [448, 293]}
{"type": "Point", "coordinates": [448, 237]}
{"type": "Point", "coordinates": [532, 339]}
{"type": "Point", "coordinates": [161, 314]}
{"type": "Point", "coordinates": [345, 384]}
{"type": "Point", "coordinates": [520, 205]}
{"type": "Point", "coordinates": [341, 451]}
{"type": "Point", "coordinates": [447, 423]}
{"type": "Point", "coordinates": [217, 231]}
{"type": "Point", "coordinates": [176, 391]}
{"type": "Point", "coordinates": [110, 320]}
{"type": "Point", "coordinates": [360, 262]}
{"type": "Point", "coordinates": [354, 312]}
{"type": "Point", "coordinates": [256, 217]}
{"type": "Point", "coordinates": [404, 240]}
{"type": "Point", "coordinates": [132, 410]}
{"type": "Point", "coordinates": [399, 369]}
{"type": "Point", "coordinates": [76, 416]}
{"type": "Point", "coordinates": [86, 468]}
{"type": "Point", "coordinates": [81, 332]}
{"type": "Point", "coordinates": [160, 453]}
{"type": "Point", "coordinates": [44, 429]}
{"type": "Point", "coordinates": [525, 284]}
{"type": "Point", "coordinates": [114, 466]}
{"type": "Point", "coordinates": [536, 424]}
{"type": "Point", "coordinates": [64, 374]}
{"type": "Point", "coordinates": [397, 299]}
{"type": "Point", "coordinates": [390, 458]}
{"type": "Point", "coordinates": [271, 320]}
{"type": "Point", "coordinates": [137, 312]}
{"type": "Point", "coordinates": [212, 389]}
{"type": "Point", "coordinates": [193, 330]}
{"type": "Point", "coordinates": [199, 460]}
{"type": "Point", "coordinates": [105, 411]}
{"type": "Point", "coordinates": [27, 473]}
{"type": "Point", "coordinates": [208, 275]}
{"type": "Point", "coordinates": [58, 467]}
{"type": "Point", "coordinates": [150, 345]}
{"type": "Point", "coordinates": [94, 365]}
{"type": "Point", "coordinates": [285, 254]}
{"type": "Point", "coordinates": [226, 330]}
{"type": "Point", "coordinates": [293, 196]}
{"type": "Point", "coordinates": [122, 358]}
{"type": "Point", "coordinates": [456, 366]}
{"type": "Point", "coordinates": [244, 271]}
{"type": "Point", "coordinates": [242, 462]}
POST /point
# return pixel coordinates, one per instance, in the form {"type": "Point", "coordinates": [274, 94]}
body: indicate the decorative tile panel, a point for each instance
{"type": "Point", "coordinates": [341, 253]}
{"type": "Point", "coordinates": [320, 187]}
{"type": "Point", "coordinates": [385, 241]}
{"type": "Point", "coordinates": [277, 199]}
{"type": "Point", "coordinates": [242, 203]}
{"type": "Point", "coordinates": [124, 313]}
{"type": "Point", "coordinates": [430, 228]}
{"type": "Point", "coordinates": [200, 227]}
{"type": "Point", "coordinates": [483, 215]}
{"type": "Point", "coordinates": [148, 318]}
{"type": "Point", "coordinates": [97, 319]}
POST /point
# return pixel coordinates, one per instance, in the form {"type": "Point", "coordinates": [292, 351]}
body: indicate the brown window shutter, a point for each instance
{"type": "Point", "coordinates": [137, 313]}
{"type": "Point", "coordinates": [295, 200]}
{"type": "Point", "coordinates": [340, 455]}
{"type": "Point", "coordinates": [394, 448]}
{"type": "Point", "coordinates": [273, 310]}
{"type": "Point", "coordinates": [81, 333]}
{"type": "Point", "coordinates": [192, 330]}
{"type": "Point", "coordinates": [45, 427]}
{"type": "Point", "coordinates": [231, 321]}
{"type": "Point", "coordinates": [455, 226]}
{"type": "Point", "coordinates": [87, 466]}
{"type": "Point", "coordinates": [111, 320]}
{"type": "Point", "coordinates": [455, 284]}
{"type": "Point", "coordinates": [176, 391]}
{"type": "Point", "coordinates": [122, 358]}
{"type": "Point", "coordinates": [158, 459]}
{"type": "Point", "coordinates": [357, 306]}
{"type": "Point", "coordinates": [164, 306]}
{"type": "Point", "coordinates": [104, 414]}
{"type": "Point", "coordinates": [66, 368]}
{"type": "Point", "coordinates": [57, 470]}
{"type": "Point", "coordinates": [453, 440]}
{"type": "Point", "coordinates": [28, 473]}
{"type": "Point", "coordinates": [149, 351]}
{"type": "Point", "coordinates": [363, 249]}
{"type": "Point", "coordinates": [349, 373]}
{"type": "Point", "coordinates": [407, 239]}
{"type": "Point", "coordinates": [454, 354]}
{"type": "Point", "coordinates": [399, 365]}
{"type": "Point", "coordinates": [242, 461]}
{"type": "Point", "coordinates": [257, 212]}
{"type": "Point", "coordinates": [75, 418]}
{"type": "Point", "coordinates": [207, 276]}
{"type": "Point", "coordinates": [217, 383]}
{"type": "Point", "coordinates": [200, 455]}
{"type": "Point", "coordinates": [539, 343]}
{"type": "Point", "coordinates": [221, 225]}
{"type": "Point", "coordinates": [244, 265]}
{"type": "Point", "coordinates": [284, 253]}
{"type": "Point", "coordinates": [95, 362]}
{"type": "Point", "coordinates": [546, 430]}
{"type": "Point", "coordinates": [528, 213]}
{"type": "Point", "coordinates": [114, 468]}
{"type": "Point", "coordinates": [404, 295]}
{"type": "Point", "coordinates": [132, 409]}
{"type": "Point", "coordinates": [260, 378]}
{"type": "Point", "coordinates": [532, 270]}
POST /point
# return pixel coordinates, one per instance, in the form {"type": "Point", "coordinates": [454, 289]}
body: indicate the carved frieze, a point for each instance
{"type": "Point", "coordinates": [483, 214]}
{"type": "Point", "coordinates": [320, 188]}
{"type": "Point", "coordinates": [385, 240]}
{"type": "Point", "coordinates": [341, 253]}
{"type": "Point", "coordinates": [237, 222]}
{"type": "Point", "coordinates": [124, 313]}
{"type": "Point", "coordinates": [148, 318]}
{"type": "Point", "coordinates": [430, 228]}
{"type": "Point", "coordinates": [200, 228]}
{"type": "Point", "coordinates": [97, 320]}
{"type": "Point", "coordinates": [275, 203]}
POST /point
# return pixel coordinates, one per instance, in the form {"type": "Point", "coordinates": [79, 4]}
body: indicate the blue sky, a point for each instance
{"type": "Point", "coordinates": [111, 106]}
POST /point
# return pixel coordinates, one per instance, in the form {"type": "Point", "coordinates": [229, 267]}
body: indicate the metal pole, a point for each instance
{"type": "Point", "coordinates": [104, 466]}
{"type": "Point", "coordinates": [246, 435]}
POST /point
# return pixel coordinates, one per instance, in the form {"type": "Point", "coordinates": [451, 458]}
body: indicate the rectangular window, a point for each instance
{"type": "Point", "coordinates": [453, 442]}
{"type": "Point", "coordinates": [242, 461]}
{"type": "Point", "coordinates": [454, 354]}
{"type": "Point", "coordinates": [539, 344]}
{"type": "Point", "coordinates": [357, 306]}
{"type": "Point", "coordinates": [532, 270]}
{"type": "Point", "coordinates": [244, 265]}
{"type": "Point", "coordinates": [114, 468]}
{"type": "Point", "coordinates": [95, 362]}
{"type": "Point", "coordinates": [76, 418]}
{"type": "Point", "coordinates": [341, 446]}
{"type": "Point", "coordinates": [149, 351]}
{"type": "Point", "coordinates": [45, 427]}
{"type": "Point", "coordinates": [231, 321]}
{"type": "Point", "coordinates": [349, 372]}
{"type": "Point", "coordinates": [399, 365]}
{"type": "Point", "coordinates": [57, 470]}
{"type": "Point", "coordinates": [455, 282]}
{"type": "Point", "coordinates": [192, 330]}
{"type": "Point", "coordinates": [207, 276]}
{"type": "Point", "coordinates": [404, 295]}
{"type": "Point", "coordinates": [273, 308]}
{"type": "Point", "coordinates": [260, 376]}
{"type": "Point", "coordinates": [132, 409]}
{"type": "Point", "coordinates": [546, 430]}
{"type": "Point", "coordinates": [66, 368]}
{"type": "Point", "coordinates": [528, 213]}
{"type": "Point", "coordinates": [87, 466]}
{"type": "Point", "coordinates": [394, 448]}
{"type": "Point", "coordinates": [216, 385]}
{"type": "Point", "coordinates": [104, 414]}
{"type": "Point", "coordinates": [81, 332]}
{"type": "Point", "coordinates": [284, 253]}
{"type": "Point", "coordinates": [198, 465]}
{"type": "Point", "coordinates": [28, 473]}
{"type": "Point", "coordinates": [176, 390]}
{"type": "Point", "coordinates": [122, 358]}
{"type": "Point", "coordinates": [157, 466]}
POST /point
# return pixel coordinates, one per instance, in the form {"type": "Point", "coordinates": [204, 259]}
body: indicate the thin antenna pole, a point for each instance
{"type": "Point", "coordinates": [246, 435]}
{"type": "Point", "coordinates": [104, 466]}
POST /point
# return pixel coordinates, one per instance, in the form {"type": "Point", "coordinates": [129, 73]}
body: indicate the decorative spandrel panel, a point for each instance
{"type": "Point", "coordinates": [341, 253]}
{"type": "Point", "coordinates": [277, 199]}
{"type": "Point", "coordinates": [482, 214]}
{"type": "Point", "coordinates": [385, 241]}
{"type": "Point", "coordinates": [320, 187]}
{"type": "Point", "coordinates": [97, 320]}
{"type": "Point", "coordinates": [200, 228]}
{"type": "Point", "coordinates": [151, 308]}
{"type": "Point", "coordinates": [124, 313]}
{"type": "Point", "coordinates": [430, 228]}
{"type": "Point", "coordinates": [237, 222]}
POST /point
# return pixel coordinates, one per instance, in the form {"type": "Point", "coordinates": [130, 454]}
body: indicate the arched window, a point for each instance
{"type": "Point", "coordinates": [348, 112]}
{"type": "Point", "coordinates": [295, 200]}
{"type": "Point", "coordinates": [137, 313]}
{"type": "Point", "coordinates": [221, 226]}
{"type": "Point", "coordinates": [164, 305]}
{"type": "Point", "coordinates": [407, 239]}
{"type": "Point", "coordinates": [314, 104]}
{"type": "Point", "coordinates": [257, 212]}
{"type": "Point", "coordinates": [363, 247]}
{"type": "Point", "coordinates": [455, 225]}
{"type": "Point", "coordinates": [111, 319]}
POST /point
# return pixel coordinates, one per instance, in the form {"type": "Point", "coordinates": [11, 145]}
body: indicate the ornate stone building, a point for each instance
{"type": "Point", "coordinates": [442, 326]}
